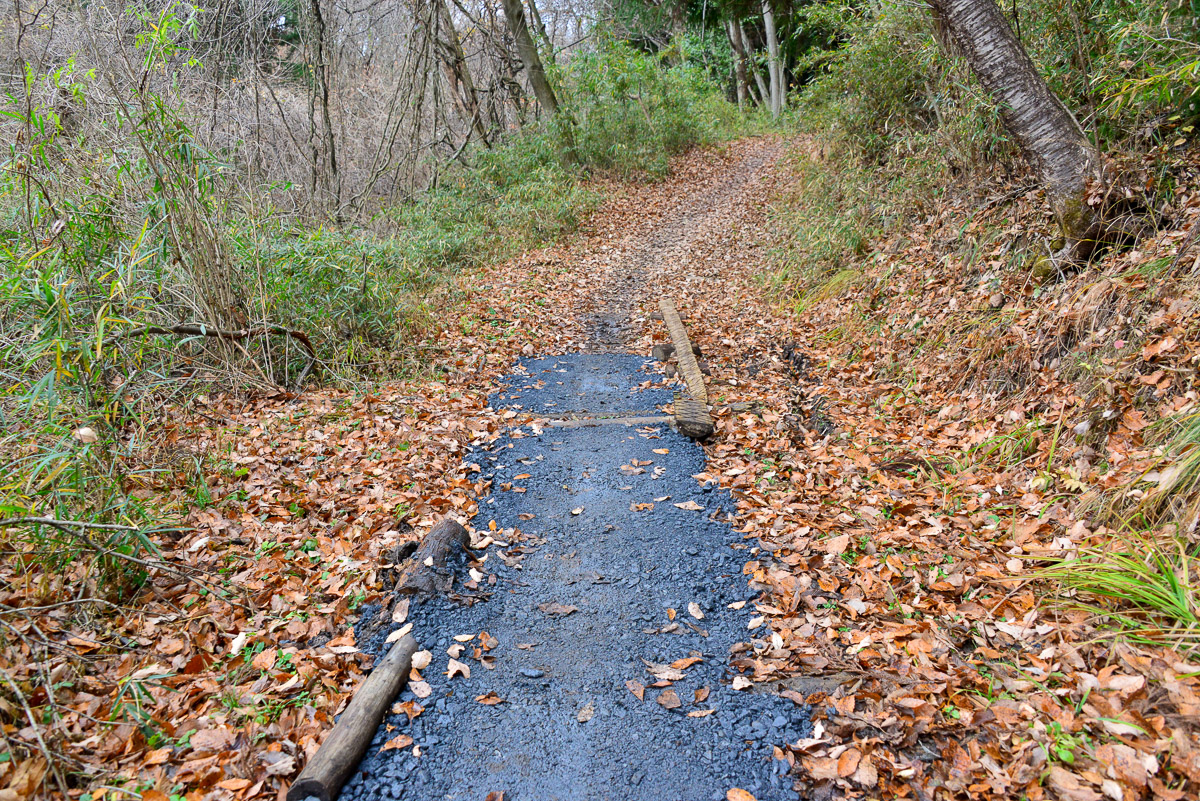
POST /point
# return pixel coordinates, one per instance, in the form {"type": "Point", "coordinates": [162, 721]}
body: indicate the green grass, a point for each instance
{"type": "Point", "coordinates": [1143, 582]}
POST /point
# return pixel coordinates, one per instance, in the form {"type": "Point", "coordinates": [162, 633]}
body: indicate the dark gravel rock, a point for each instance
{"type": "Point", "coordinates": [568, 727]}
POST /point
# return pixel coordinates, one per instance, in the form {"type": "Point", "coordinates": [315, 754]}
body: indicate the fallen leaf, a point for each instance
{"type": "Point", "coordinates": [490, 699]}
{"type": "Point", "coordinates": [695, 611]}
{"type": "Point", "coordinates": [457, 668]}
{"type": "Point", "coordinates": [420, 689]}
{"type": "Point", "coordinates": [669, 699]}
{"type": "Point", "coordinates": [637, 688]}
{"type": "Point", "coordinates": [399, 741]}
{"type": "Point", "coordinates": [421, 659]}
{"type": "Point", "coordinates": [701, 694]}
{"type": "Point", "coordinates": [555, 608]}
{"type": "Point", "coordinates": [691, 506]}
{"type": "Point", "coordinates": [586, 713]}
{"type": "Point", "coordinates": [738, 794]}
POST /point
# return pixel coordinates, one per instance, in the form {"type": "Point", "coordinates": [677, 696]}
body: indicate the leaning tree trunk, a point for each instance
{"type": "Point", "coordinates": [454, 67]}
{"type": "Point", "coordinates": [764, 95]}
{"type": "Point", "coordinates": [1047, 132]}
{"type": "Point", "coordinates": [774, 67]}
{"type": "Point", "coordinates": [514, 14]}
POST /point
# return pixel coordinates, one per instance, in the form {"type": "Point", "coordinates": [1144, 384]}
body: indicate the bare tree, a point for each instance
{"type": "Point", "coordinates": [454, 66]}
{"type": "Point", "coordinates": [1047, 132]}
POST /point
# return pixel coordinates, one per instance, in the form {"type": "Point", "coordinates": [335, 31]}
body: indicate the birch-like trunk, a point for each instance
{"type": "Point", "coordinates": [739, 63]}
{"type": "Point", "coordinates": [1047, 132]}
{"type": "Point", "coordinates": [774, 67]}
{"type": "Point", "coordinates": [764, 94]}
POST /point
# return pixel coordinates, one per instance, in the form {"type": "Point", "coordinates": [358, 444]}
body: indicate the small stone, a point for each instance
{"type": "Point", "coordinates": [532, 673]}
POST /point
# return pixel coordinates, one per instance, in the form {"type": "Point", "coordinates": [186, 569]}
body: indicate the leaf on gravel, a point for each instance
{"type": "Point", "coordinates": [399, 741]}
{"type": "Point", "coordinates": [664, 672]}
{"type": "Point", "coordinates": [662, 451]}
{"type": "Point", "coordinates": [668, 699]}
{"type": "Point", "coordinates": [410, 708]}
{"type": "Point", "coordinates": [694, 611]}
{"type": "Point", "coordinates": [555, 608]}
{"type": "Point", "coordinates": [421, 689]}
{"type": "Point", "coordinates": [458, 668]}
{"type": "Point", "coordinates": [495, 795]}
{"type": "Point", "coordinates": [637, 688]}
{"type": "Point", "coordinates": [686, 662]}
{"type": "Point", "coordinates": [489, 698]}
{"type": "Point", "coordinates": [400, 611]}
{"type": "Point", "coordinates": [586, 714]}
{"type": "Point", "coordinates": [421, 659]}
{"type": "Point", "coordinates": [578, 510]}
{"type": "Point", "coordinates": [738, 794]}
{"type": "Point", "coordinates": [700, 713]}
{"type": "Point", "coordinates": [398, 634]}
{"type": "Point", "coordinates": [741, 682]}
{"type": "Point", "coordinates": [701, 694]}
{"type": "Point", "coordinates": [691, 506]}
{"type": "Point", "coordinates": [463, 637]}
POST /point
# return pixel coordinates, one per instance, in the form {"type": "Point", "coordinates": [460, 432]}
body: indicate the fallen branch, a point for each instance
{"type": "Point", "coordinates": [337, 757]}
{"type": "Point", "coordinates": [423, 575]}
{"type": "Point", "coordinates": [203, 330]}
{"type": "Point", "coordinates": [73, 528]}
{"type": "Point", "coordinates": [325, 774]}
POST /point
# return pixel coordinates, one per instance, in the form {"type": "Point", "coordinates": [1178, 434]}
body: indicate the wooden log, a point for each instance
{"type": "Point", "coordinates": [692, 417]}
{"type": "Point", "coordinates": [339, 755]}
{"type": "Point", "coordinates": [683, 352]}
{"type": "Point", "coordinates": [424, 575]}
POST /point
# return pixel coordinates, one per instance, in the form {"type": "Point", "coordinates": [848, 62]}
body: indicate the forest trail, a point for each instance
{"type": "Point", "coordinates": [600, 629]}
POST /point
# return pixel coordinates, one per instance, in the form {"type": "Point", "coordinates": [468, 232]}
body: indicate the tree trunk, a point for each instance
{"type": "Point", "coordinates": [320, 93]}
{"type": "Point", "coordinates": [774, 67]}
{"type": "Point", "coordinates": [1047, 132]}
{"type": "Point", "coordinates": [739, 64]}
{"type": "Point", "coordinates": [454, 67]}
{"type": "Point", "coordinates": [541, 29]}
{"type": "Point", "coordinates": [514, 14]}
{"type": "Point", "coordinates": [764, 95]}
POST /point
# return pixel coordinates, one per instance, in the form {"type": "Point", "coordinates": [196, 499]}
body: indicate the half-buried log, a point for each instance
{"type": "Point", "coordinates": [338, 756]}
{"type": "Point", "coordinates": [425, 573]}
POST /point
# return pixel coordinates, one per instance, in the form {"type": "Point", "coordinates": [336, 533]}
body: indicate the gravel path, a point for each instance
{"type": "Point", "coordinates": [607, 574]}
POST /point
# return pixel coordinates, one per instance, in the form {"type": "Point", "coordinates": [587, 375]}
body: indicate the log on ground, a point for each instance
{"type": "Point", "coordinates": [325, 774]}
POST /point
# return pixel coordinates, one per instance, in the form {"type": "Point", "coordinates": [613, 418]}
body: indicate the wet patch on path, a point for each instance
{"type": "Point", "coordinates": [614, 532]}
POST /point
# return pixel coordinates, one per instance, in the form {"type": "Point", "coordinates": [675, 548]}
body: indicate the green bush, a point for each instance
{"type": "Point", "coordinates": [630, 114]}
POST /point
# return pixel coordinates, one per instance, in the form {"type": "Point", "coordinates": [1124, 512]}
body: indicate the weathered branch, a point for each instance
{"type": "Point", "coordinates": [325, 774]}
{"type": "Point", "coordinates": [229, 335]}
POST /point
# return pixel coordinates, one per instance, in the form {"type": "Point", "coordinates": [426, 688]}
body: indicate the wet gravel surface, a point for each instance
{"type": "Point", "coordinates": [582, 598]}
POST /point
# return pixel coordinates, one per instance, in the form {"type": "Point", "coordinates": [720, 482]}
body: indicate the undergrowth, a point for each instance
{"type": "Point", "coordinates": [137, 268]}
{"type": "Point", "coordinates": [904, 159]}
